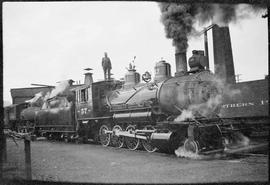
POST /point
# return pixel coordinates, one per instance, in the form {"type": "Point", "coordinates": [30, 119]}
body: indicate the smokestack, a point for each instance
{"type": "Point", "coordinates": [223, 58]}
{"type": "Point", "coordinates": [180, 63]}
{"type": "Point", "coordinates": [88, 78]}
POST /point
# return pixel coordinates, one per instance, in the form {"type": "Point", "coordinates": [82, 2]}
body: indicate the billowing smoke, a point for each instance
{"type": "Point", "coordinates": [61, 89]}
{"type": "Point", "coordinates": [181, 152]}
{"type": "Point", "coordinates": [180, 19]}
{"type": "Point", "coordinates": [206, 109]}
{"type": "Point", "coordinates": [236, 139]}
{"type": "Point", "coordinates": [186, 114]}
{"type": "Point", "coordinates": [37, 101]}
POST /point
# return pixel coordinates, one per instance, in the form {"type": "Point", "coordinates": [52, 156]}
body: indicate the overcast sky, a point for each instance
{"type": "Point", "coordinates": [49, 42]}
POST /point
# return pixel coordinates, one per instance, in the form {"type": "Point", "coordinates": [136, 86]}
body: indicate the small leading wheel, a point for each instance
{"type": "Point", "coordinates": [104, 137]}
{"type": "Point", "coordinates": [147, 144]}
{"type": "Point", "coordinates": [131, 142]}
{"type": "Point", "coordinates": [117, 141]}
{"type": "Point", "coordinates": [191, 146]}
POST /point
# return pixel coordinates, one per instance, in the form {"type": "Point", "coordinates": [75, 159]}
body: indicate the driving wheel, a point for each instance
{"type": "Point", "coordinates": [117, 141]}
{"type": "Point", "coordinates": [147, 144]}
{"type": "Point", "coordinates": [131, 142]}
{"type": "Point", "coordinates": [104, 137]}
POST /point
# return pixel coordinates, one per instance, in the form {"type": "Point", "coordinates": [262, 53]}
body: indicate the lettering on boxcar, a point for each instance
{"type": "Point", "coordinates": [245, 104]}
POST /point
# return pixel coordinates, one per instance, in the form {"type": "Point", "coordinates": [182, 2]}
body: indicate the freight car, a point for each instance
{"type": "Point", "coordinates": [248, 106]}
{"type": "Point", "coordinates": [13, 119]}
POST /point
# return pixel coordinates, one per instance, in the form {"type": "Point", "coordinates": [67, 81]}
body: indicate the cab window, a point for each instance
{"type": "Point", "coordinates": [84, 95]}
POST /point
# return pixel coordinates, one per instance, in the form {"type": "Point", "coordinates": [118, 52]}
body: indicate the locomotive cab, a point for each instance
{"type": "Point", "coordinates": [91, 106]}
{"type": "Point", "coordinates": [84, 104]}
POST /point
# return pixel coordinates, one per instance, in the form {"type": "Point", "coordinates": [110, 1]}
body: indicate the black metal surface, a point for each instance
{"type": "Point", "coordinates": [252, 100]}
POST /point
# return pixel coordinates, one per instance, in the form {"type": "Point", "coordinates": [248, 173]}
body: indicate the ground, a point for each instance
{"type": "Point", "coordinates": [59, 161]}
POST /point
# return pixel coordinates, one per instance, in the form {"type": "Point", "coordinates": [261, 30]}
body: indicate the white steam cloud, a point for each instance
{"type": "Point", "coordinates": [63, 89]}
{"type": "Point", "coordinates": [37, 101]}
{"type": "Point", "coordinates": [203, 109]}
{"type": "Point", "coordinates": [211, 107]}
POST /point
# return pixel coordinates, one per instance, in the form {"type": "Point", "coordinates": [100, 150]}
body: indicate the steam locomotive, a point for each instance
{"type": "Point", "coordinates": [168, 113]}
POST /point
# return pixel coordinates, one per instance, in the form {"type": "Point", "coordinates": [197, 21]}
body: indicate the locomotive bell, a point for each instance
{"type": "Point", "coordinates": [197, 61]}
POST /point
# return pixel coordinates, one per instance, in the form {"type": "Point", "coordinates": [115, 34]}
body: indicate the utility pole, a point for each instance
{"type": "Point", "coordinates": [27, 150]}
{"type": "Point", "coordinates": [204, 32]}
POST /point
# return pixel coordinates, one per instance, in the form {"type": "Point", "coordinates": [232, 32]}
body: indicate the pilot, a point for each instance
{"type": "Point", "coordinates": [106, 64]}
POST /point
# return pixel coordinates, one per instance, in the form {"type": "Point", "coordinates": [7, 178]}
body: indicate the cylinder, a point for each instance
{"type": "Point", "coordinates": [161, 136]}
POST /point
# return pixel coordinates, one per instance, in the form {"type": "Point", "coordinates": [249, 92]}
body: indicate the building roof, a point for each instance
{"type": "Point", "coordinates": [79, 87]}
{"type": "Point", "coordinates": [28, 92]}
